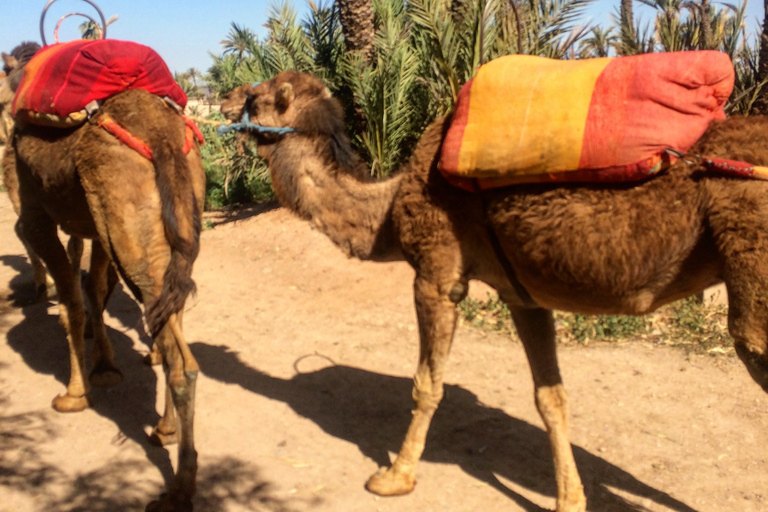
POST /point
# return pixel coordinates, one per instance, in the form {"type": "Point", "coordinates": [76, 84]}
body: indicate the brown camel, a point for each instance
{"type": "Point", "coordinates": [143, 216]}
{"type": "Point", "coordinates": [43, 283]}
{"type": "Point", "coordinates": [595, 249]}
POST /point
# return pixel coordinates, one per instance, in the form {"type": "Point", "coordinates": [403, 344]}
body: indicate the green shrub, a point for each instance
{"type": "Point", "coordinates": [687, 323]}
{"type": "Point", "coordinates": [233, 175]}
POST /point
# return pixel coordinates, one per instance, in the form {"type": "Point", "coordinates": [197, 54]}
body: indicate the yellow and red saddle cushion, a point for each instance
{"type": "Point", "coordinates": [61, 79]}
{"type": "Point", "coordinates": [526, 119]}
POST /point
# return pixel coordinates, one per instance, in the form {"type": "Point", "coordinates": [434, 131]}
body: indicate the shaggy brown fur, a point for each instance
{"type": "Point", "coordinates": [43, 283]}
{"type": "Point", "coordinates": [612, 248]}
{"type": "Point", "coordinates": [144, 217]}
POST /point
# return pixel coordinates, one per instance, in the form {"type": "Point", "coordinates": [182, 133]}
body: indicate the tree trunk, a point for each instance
{"type": "Point", "coordinates": [356, 17]}
{"type": "Point", "coordinates": [761, 105]}
{"type": "Point", "coordinates": [706, 26]}
{"type": "Point", "coordinates": [627, 27]}
{"type": "Point", "coordinates": [357, 27]}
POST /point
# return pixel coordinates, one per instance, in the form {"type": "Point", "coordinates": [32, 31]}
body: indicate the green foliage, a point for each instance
{"type": "Point", "coordinates": [234, 173]}
{"type": "Point", "coordinates": [585, 328]}
{"type": "Point", "coordinates": [689, 323]}
{"type": "Point", "coordinates": [489, 314]}
{"type": "Point", "coordinates": [425, 50]}
{"type": "Point", "coordinates": [686, 323]}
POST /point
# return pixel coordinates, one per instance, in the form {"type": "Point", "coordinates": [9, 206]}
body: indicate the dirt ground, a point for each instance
{"type": "Point", "coordinates": [306, 361]}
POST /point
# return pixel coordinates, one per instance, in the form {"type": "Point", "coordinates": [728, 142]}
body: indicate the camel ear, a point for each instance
{"type": "Point", "coordinates": [9, 60]}
{"type": "Point", "coordinates": [284, 97]}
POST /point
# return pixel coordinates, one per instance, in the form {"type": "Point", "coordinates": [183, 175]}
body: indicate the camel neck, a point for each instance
{"type": "Point", "coordinates": [355, 215]}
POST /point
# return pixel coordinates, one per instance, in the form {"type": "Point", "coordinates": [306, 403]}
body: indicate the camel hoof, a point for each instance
{"type": "Point", "coordinates": [153, 358]}
{"type": "Point", "coordinates": [387, 482]}
{"type": "Point", "coordinates": [66, 403]}
{"type": "Point", "coordinates": [159, 438]}
{"type": "Point", "coordinates": [573, 506]}
{"type": "Point", "coordinates": [167, 504]}
{"type": "Point", "coordinates": [104, 375]}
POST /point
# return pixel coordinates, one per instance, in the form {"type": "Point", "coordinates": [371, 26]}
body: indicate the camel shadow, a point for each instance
{"type": "Point", "coordinates": [21, 284]}
{"type": "Point", "coordinates": [227, 216]}
{"type": "Point", "coordinates": [372, 411]}
{"type": "Point", "coordinates": [41, 342]}
{"type": "Point", "coordinates": [118, 485]}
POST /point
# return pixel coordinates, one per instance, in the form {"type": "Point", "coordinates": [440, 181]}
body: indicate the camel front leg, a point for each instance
{"type": "Point", "coordinates": [98, 286]}
{"type": "Point", "coordinates": [536, 328]}
{"type": "Point", "coordinates": [437, 321]}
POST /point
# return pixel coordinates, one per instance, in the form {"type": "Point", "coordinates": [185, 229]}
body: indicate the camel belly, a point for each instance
{"type": "Point", "coordinates": [610, 249]}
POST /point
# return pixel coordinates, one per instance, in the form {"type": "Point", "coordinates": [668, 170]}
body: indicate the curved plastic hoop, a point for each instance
{"type": "Point", "coordinates": [102, 27]}
{"type": "Point", "coordinates": [56, 30]}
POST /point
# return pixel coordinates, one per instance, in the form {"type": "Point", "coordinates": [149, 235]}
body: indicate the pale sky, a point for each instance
{"type": "Point", "coordinates": [184, 32]}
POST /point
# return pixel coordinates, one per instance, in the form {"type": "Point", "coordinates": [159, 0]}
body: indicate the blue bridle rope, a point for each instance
{"type": "Point", "coordinates": [245, 125]}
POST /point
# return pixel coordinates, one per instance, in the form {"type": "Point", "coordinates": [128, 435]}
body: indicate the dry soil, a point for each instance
{"type": "Point", "coordinates": [306, 361]}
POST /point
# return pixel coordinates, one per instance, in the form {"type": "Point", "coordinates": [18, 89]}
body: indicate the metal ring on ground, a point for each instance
{"type": "Point", "coordinates": [102, 27]}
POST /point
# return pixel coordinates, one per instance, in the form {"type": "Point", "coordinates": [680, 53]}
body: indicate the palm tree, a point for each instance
{"type": "Point", "coordinates": [762, 74]}
{"type": "Point", "coordinates": [193, 74]}
{"type": "Point", "coordinates": [238, 41]}
{"type": "Point", "coordinates": [357, 26]}
{"type": "Point", "coordinates": [626, 29]}
{"type": "Point", "coordinates": [707, 40]}
{"type": "Point", "coordinates": [598, 43]}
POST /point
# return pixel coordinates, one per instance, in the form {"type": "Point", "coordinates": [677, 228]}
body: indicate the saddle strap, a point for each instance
{"type": "Point", "coordinates": [191, 133]}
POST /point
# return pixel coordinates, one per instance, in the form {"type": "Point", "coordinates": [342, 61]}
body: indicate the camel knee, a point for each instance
{"type": "Point", "coordinates": [182, 385]}
{"type": "Point", "coordinates": [552, 403]}
{"type": "Point", "coordinates": [426, 394]}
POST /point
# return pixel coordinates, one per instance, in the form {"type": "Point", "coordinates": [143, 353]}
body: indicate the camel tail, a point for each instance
{"type": "Point", "coordinates": [182, 223]}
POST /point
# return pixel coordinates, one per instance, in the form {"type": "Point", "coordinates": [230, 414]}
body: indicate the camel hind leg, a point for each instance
{"type": "Point", "coordinates": [181, 370]}
{"type": "Point", "coordinates": [536, 328]}
{"type": "Point", "coordinates": [99, 284]}
{"type": "Point", "coordinates": [45, 242]}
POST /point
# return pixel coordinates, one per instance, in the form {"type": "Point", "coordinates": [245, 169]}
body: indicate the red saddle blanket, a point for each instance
{"type": "Point", "coordinates": [61, 79]}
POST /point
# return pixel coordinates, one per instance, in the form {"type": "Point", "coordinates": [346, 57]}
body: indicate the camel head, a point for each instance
{"type": "Point", "coordinates": [233, 103]}
{"type": "Point", "coordinates": [13, 64]}
{"type": "Point", "coordinates": [9, 63]}
{"type": "Point", "coordinates": [295, 100]}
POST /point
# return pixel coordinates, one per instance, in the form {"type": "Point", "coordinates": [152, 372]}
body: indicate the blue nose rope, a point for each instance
{"type": "Point", "coordinates": [245, 125]}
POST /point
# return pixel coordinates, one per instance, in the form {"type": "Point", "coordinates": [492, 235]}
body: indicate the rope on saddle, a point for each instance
{"type": "Point", "coordinates": [723, 165]}
{"type": "Point", "coordinates": [191, 133]}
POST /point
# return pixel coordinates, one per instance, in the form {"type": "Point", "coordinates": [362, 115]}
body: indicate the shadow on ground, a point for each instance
{"type": "Point", "coordinates": [373, 410]}
{"type": "Point", "coordinates": [21, 284]}
{"type": "Point", "coordinates": [226, 216]}
{"type": "Point", "coordinates": [119, 486]}
{"type": "Point", "coordinates": [41, 342]}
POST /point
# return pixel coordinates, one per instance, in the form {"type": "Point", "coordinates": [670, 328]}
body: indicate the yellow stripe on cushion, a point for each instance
{"type": "Point", "coordinates": [549, 129]}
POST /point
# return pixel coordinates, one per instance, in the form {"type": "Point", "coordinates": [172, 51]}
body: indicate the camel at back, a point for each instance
{"type": "Point", "coordinates": [121, 167]}
{"type": "Point", "coordinates": [593, 246]}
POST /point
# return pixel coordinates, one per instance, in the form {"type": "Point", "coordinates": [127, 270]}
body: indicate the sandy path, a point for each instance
{"type": "Point", "coordinates": [653, 429]}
